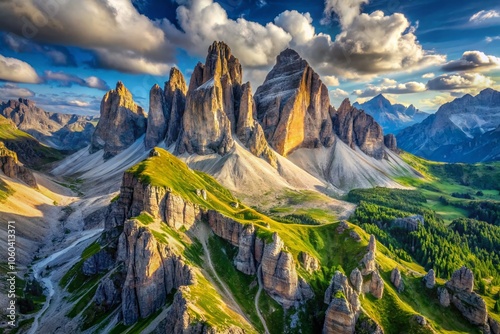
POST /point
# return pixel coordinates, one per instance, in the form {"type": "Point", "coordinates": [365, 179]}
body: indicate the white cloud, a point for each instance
{"type": "Point", "coordinates": [13, 91]}
{"type": "Point", "coordinates": [78, 103]}
{"type": "Point", "coordinates": [472, 60]}
{"type": "Point", "coordinates": [203, 21]}
{"type": "Point", "coordinates": [67, 80]}
{"type": "Point", "coordinates": [330, 80]}
{"type": "Point", "coordinates": [484, 15]}
{"type": "Point", "coordinates": [346, 10]}
{"type": "Point", "coordinates": [436, 101]}
{"type": "Point", "coordinates": [403, 88]}
{"type": "Point", "coordinates": [123, 39]}
{"type": "Point", "coordinates": [387, 81]}
{"type": "Point", "coordinates": [13, 69]}
{"type": "Point", "coordinates": [490, 39]}
{"type": "Point", "coordinates": [339, 93]}
{"type": "Point", "coordinates": [367, 46]}
{"type": "Point", "coordinates": [114, 26]}
{"type": "Point", "coordinates": [460, 81]}
{"type": "Point", "coordinates": [428, 75]}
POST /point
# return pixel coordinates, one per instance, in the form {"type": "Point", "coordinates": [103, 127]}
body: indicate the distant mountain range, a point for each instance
{"type": "Point", "coordinates": [464, 130]}
{"type": "Point", "coordinates": [391, 117]}
{"type": "Point", "coordinates": [61, 131]}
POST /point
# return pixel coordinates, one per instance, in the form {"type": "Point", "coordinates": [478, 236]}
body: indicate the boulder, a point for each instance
{"type": "Point", "coordinates": [397, 280]}
{"type": "Point", "coordinates": [430, 279]}
{"type": "Point", "coordinates": [461, 280]}
{"type": "Point", "coordinates": [376, 285]}
{"type": "Point", "coordinates": [309, 262]}
{"type": "Point", "coordinates": [356, 280]}
{"type": "Point", "coordinates": [443, 296]}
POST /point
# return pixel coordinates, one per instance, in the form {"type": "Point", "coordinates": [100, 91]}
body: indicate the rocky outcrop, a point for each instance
{"type": "Point", "coordinates": [12, 167]}
{"type": "Point", "coordinates": [293, 106]}
{"type": "Point", "coordinates": [61, 131]}
{"type": "Point", "coordinates": [152, 271]}
{"type": "Point", "coordinates": [279, 276]}
{"type": "Point", "coordinates": [367, 325]}
{"type": "Point", "coordinates": [376, 285]}
{"type": "Point", "coordinates": [397, 280]}
{"type": "Point", "coordinates": [372, 244]}
{"type": "Point", "coordinates": [249, 131]}
{"type": "Point", "coordinates": [121, 122]}
{"type": "Point", "coordinates": [461, 280]}
{"type": "Point", "coordinates": [469, 303]}
{"type": "Point", "coordinates": [106, 294]}
{"type": "Point", "coordinates": [102, 261]}
{"type": "Point", "coordinates": [494, 325]}
{"type": "Point", "coordinates": [136, 197]}
{"type": "Point", "coordinates": [430, 279]}
{"type": "Point", "coordinates": [343, 306]}
{"type": "Point", "coordinates": [356, 280]}
{"type": "Point", "coordinates": [409, 223]}
{"type": "Point", "coordinates": [245, 260]}
{"type": "Point", "coordinates": [166, 108]}
{"type": "Point", "coordinates": [179, 319]}
{"type": "Point", "coordinates": [309, 262]}
{"type": "Point", "coordinates": [212, 100]}
{"type": "Point", "coordinates": [443, 296]}
{"type": "Point", "coordinates": [368, 263]}
{"type": "Point", "coordinates": [391, 143]}
{"type": "Point", "coordinates": [355, 128]}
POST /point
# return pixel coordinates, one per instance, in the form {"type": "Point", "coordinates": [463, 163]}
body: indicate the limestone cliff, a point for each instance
{"type": "Point", "coordinates": [152, 271]}
{"type": "Point", "coordinates": [121, 122]}
{"type": "Point", "coordinates": [212, 100]}
{"type": "Point", "coordinates": [356, 128]}
{"type": "Point", "coordinates": [12, 167]}
{"type": "Point", "coordinates": [343, 306]}
{"type": "Point", "coordinates": [293, 106]}
{"type": "Point", "coordinates": [166, 108]}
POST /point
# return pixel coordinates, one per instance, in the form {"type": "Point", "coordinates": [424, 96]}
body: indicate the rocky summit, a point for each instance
{"type": "Point", "coordinates": [166, 108]}
{"type": "Point", "coordinates": [118, 111]}
{"type": "Point", "coordinates": [293, 106]}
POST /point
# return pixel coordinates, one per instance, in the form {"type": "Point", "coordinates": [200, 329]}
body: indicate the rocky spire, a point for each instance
{"type": "Point", "coordinates": [121, 122]}
{"type": "Point", "coordinates": [356, 128]}
{"type": "Point", "coordinates": [166, 108]}
{"type": "Point", "coordinates": [293, 106]}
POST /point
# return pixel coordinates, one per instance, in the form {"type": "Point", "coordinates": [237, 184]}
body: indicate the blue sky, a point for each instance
{"type": "Point", "coordinates": [66, 55]}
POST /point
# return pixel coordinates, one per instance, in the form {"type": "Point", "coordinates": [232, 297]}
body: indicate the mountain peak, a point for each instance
{"type": "Point", "coordinates": [288, 56]}
{"type": "Point", "coordinates": [345, 105]}
{"type": "Point", "coordinates": [220, 61]}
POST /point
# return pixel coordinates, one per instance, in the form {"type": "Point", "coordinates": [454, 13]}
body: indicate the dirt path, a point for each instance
{"type": "Point", "coordinates": [202, 232]}
{"type": "Point", "coordinates": [257, 296]}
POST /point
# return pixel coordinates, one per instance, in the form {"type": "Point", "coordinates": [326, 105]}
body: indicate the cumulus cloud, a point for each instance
{"type": "Point", "coordinates": [67, 80]}
{"type": "Point", "coordinates": [114, 26]}
{"type": "Point", "coordinates": [472, 60]}
{"type": "Point", "coordinates": [368, 45]}
{"type": "Point", "coordinates": [460, 81]}
{"type": "Point", "coordinates": [203, 21]}
{"type": "Point", "coordinates": [403, 88]}
{"type": "Point", "coordinates": [339, 93]}
{"type": "Point", "coordinates": [13, 69]}
{"type": "Point", "coordinates": [428, 75]}
{"type": "Point", "coordinates": [388, 81]}
{"type": "Point", "coordinates": [484, 15]}
{"type": "Point", "coordinates": [346, 10]}
{"type": "Point", "coordinates": [330, 80]}
{"type": "Point", "coordinates": [123, 39]}
{"type": "Point", "coordinates": [13, 91]}
{"type": "Point", "coordinates": [58, 55]}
